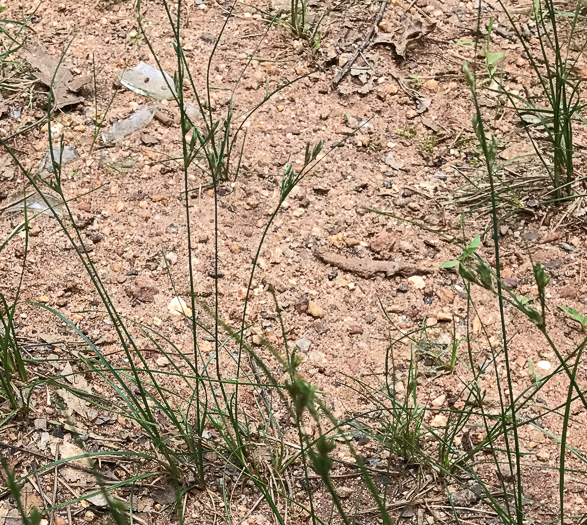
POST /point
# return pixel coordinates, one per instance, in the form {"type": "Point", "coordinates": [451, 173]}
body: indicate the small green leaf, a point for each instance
{"type": "Point", "coordinates": [524, 300]}
{"type": "Point", "coordinates": [495, 57]}
{"type": "Point", "coordinates": [450, 264]}
{"type": "Point", "coordinates": [472, 248]}
{"type": "Point", "coordinates": [576, 316]}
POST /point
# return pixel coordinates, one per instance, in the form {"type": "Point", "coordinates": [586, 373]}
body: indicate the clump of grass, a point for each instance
{"type": "Point", "coordinates": [428, 145]}
{"type": "Point", "coordinates": [12, 368]}
{"type": "Point", "coordinates": [407, 133]}
{"type": "Point", "coordinates": [476, 272]}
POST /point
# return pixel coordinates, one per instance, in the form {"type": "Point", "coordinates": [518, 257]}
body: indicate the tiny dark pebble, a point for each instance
{"type": "Point", "coordinates": [304, 201]}
{"type": "Point", "coordinates": [402, 289]}
{"type": "Point", "coordinates": [302, 305]}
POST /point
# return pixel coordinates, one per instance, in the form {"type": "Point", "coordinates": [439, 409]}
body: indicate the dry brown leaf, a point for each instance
{"type": "Point", "coordinates": [50, 71]}
{"type": "Point", "coordinates": [73, 402]}
{"type": "Point", "coordinates": [412, 30]}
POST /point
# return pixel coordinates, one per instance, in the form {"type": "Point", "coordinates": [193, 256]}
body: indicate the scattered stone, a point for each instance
{"type": "Point", "coordinates": [162, 361]}
{"type": "Point", "coordinates": [40, 424]}
{"type": "Point", "coordinates": [383, 243]}
{"type": "Point", "coordinates": [355, 329]}
{"type": "Point", "coordinates": [464, 498]}
{"type": "Point", "coordinates": [391, 161]}
{"type": "Point", "coordinates": [506, 473]}
{"type": "Point", "coordinates": [149, 140]}
{"type": "Point", "coordinates": [531, 236]}
{"type": "Point", "coordinates": [142, 290]}
{"type": "Point", "coordinates": [439, 401]}
{"type": "Point", "coordinates": [177, 306]}
{"type": "Point", "coordinates": [302, 305]}
{"type": "Point", "coordinates": [171, 258]}
{"type": "Point", "coordinates": [315, 310]}
{"type": "Point", "coordinates": [431, 85]}
{"type": "Point", "coordinates": [440, 420]}
{"type": "Point", "coordinates": [444, 317]}
{"type": "Point", "coordinates": [543, 455]}
{"type": "Point", "coordinates": [511, 283]}
{"type": "Point", "coordinates": [519, 151]}
{"type": "Point", "coordinates": [544, 365]}
{"type": "Point", "coordinates": [386, 26]}
{"type": "Point", "coordinates": [160, 198]}
{"type": "Point", "coordinates": [415, 281]}
{"type": "Point", "coordinates": [205, 346]}
{"type": "Point", "coordinates": [345, 492]}
{"type": "Point", "coordinates": [303, 344]}
{"type": "Point", "coordinates": [566, 247]}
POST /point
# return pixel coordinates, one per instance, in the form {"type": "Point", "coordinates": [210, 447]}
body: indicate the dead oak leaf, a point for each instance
{"type": "Point", "coordinates": [51, 72]}
{"type": "Point", "coordinates": [412, 30]}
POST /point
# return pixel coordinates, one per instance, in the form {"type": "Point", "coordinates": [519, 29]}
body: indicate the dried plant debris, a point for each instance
{"type": "Point", "coordinates": [53, 73]}
{"type": "Point", "coordinates": [411, 30]}
{"type": "Point", "coordinates": [369, 267]}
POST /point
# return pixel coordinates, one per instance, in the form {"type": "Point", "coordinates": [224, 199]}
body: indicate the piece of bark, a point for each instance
{"type": "Point", "coordinates": [368, 267]}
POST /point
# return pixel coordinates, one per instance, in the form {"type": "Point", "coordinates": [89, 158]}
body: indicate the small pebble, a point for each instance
{"type": "Point", "coordinates": [303, 344]}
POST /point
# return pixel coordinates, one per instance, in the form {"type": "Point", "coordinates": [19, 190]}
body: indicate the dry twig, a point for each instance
{"type": "Point", "coordinates": [362, 46]}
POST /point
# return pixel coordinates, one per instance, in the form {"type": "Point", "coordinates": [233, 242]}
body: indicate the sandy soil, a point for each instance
{"type": "Point", "coordinates": [129, 206]}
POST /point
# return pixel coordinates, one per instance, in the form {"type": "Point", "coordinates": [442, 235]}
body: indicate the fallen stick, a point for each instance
{"type": "Point", "coordinates": [368, 267]}
{"type": "Point", "coordinates": [362, 46]}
